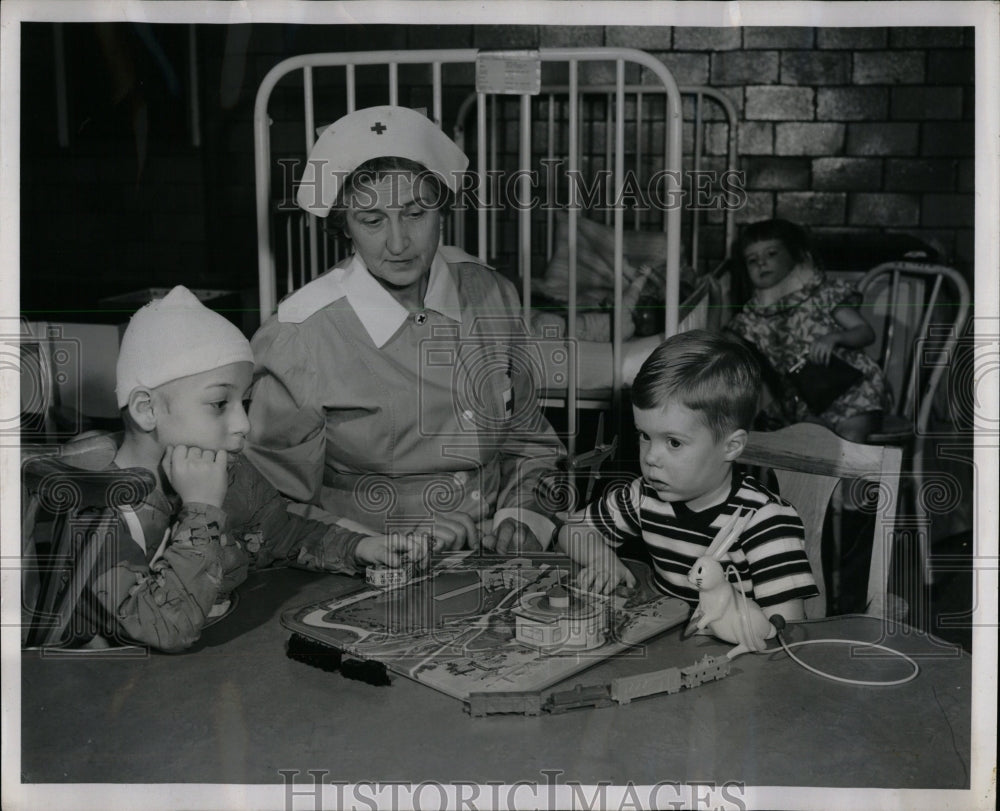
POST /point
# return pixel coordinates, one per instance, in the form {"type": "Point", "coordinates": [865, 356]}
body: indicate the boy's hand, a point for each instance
{"type": "Point", "coordinates": [511, 537]}
{"type": "Point", "coordinates": [604, 573]}
{"type": "Point", "coordinates": [197, 474]}
{"type": "Point", "coordinates": [394, 550]}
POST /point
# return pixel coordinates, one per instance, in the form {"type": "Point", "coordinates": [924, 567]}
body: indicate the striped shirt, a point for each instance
{"type": "Point", "coordinates": [770, 554]}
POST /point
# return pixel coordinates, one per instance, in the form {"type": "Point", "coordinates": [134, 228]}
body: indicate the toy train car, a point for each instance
{"type": "Point", "coordinates": [498, 703]}
{"type": "Point", "coordinates": [710, 668]}
{"type": "Point", "coordinates": [597, 695]}
{"type": "Point", "coordinates": [670, 680]}
{"type": "Point", "coordinates": [625, 688]}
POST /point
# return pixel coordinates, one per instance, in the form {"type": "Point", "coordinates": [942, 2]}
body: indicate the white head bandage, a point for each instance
{"type": "Point", "coordinates": [375, 132]}
{"type": "Point", "coordinates": [174, 337]}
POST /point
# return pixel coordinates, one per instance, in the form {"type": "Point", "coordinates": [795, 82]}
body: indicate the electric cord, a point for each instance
{"type": "Point", "coordinates": [779, 625]}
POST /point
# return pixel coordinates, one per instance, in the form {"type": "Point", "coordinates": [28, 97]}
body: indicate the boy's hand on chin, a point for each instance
{"type": "Point", "coordinates": [197, 474]}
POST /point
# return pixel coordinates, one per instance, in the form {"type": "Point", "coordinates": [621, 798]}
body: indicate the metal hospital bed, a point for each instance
{"type": "Point", "coordinates": [611, 110]}
{"type": "Point", "coordinates": [707, 113]}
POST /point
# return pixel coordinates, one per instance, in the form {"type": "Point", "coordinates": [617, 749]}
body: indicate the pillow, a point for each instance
{"type": "Point", "coordinates": [595, 262]}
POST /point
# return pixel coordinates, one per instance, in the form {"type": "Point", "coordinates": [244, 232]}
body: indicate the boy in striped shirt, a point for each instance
{"type": "Point", "coordinates": [693, 402]}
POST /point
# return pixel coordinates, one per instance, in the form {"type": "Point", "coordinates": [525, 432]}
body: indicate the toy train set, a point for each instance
{"type": "Point", "coordinates": [621, 690]}
{"type": "Point", "coordinates": [476, 626]}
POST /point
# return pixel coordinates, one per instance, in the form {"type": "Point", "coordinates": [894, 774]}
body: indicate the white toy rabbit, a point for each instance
{"type": "Point", "coordinates": [722, 610]}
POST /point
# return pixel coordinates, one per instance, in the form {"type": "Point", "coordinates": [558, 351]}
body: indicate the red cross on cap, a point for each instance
{"type": "Point", "coordinates": [379, 128]}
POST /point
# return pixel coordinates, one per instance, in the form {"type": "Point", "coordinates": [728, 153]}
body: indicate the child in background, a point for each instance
{"type": "Point", "coordinates": [183, 374]}
{"type": "Point", "coordinates": [796, 316]}
{"type": "Point", "coordinates": [693, 401]}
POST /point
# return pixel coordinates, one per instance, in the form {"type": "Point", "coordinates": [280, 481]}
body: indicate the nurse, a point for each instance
{"type": "Point", "coordinates": [395, 389]}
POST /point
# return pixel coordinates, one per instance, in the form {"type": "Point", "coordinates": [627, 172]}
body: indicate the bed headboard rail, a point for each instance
{"type": "Point", "coordinates": [710, 130]}
{"type": "Point", "coordinates": [577, 64]}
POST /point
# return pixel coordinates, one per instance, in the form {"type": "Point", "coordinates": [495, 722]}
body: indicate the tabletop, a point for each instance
{"type": "Point", "coordinates": [236, 709]}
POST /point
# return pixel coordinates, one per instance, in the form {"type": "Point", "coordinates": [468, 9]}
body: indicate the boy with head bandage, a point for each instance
{"type": "Point", "coordinates": [182, 377]}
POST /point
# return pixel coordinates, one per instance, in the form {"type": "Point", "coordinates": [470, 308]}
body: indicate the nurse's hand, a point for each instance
{"type": "Point", "coordinates": [394, 550]}
{"type": "Point", "coordinates": [511, 537]}
{"type": "Point", "coordinates": [453, 530]}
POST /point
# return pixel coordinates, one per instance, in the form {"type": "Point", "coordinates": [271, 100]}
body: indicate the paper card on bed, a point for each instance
{"type": "Point", "coordinates": [513, 72]}
{"type": "Point", "coordinates": [479, 623]}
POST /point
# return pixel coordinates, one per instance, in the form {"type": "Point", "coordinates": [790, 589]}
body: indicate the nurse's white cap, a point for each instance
{"type": "Point", "coordinates": [174, 337]}
{"type": "Point", "coordinates": [375, 132]}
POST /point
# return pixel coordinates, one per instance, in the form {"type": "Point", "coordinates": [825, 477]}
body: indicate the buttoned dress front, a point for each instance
{"type": "Point", "coordinates": [386, 417]}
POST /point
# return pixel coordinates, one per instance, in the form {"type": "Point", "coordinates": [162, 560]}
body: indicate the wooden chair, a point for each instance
{"type": "Point", "coordinates": [39, 392]}
{"type": "Point", "coordinates": [69, 491]}
{"type": "Point", "coordinates": [912, 305]}
{"type": "Point", "coordinates": [809, 461]}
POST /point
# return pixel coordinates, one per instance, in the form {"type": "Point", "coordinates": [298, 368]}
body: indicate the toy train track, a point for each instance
{"type": "Point", "coordinates": [618, 691]}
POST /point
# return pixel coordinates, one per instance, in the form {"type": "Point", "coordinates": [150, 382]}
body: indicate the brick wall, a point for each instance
{"type": "Point", "coordinates": [864, 130]}
{"type": "Point", "coordinates": [850, 131]}
{"type": "Point", "coordinates": [847, 130]}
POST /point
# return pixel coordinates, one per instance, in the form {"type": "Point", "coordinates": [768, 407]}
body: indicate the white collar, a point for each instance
{"type": "Point", "coordinates": [380, 314]}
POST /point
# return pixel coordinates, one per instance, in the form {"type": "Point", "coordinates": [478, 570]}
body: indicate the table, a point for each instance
{"type": "Point", "coordinates": [235, 709]}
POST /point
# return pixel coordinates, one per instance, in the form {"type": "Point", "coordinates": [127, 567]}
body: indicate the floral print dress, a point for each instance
{"type": "Point", "coordinates": [783, 332]}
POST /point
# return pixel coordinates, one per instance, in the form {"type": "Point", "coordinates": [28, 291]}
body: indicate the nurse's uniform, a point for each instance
{"type": "Point", "coordinates": [386, 416]}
